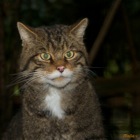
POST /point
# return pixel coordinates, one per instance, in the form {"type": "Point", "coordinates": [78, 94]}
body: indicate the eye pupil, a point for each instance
{"type": "Point", "coordinates": [45, 56]}
{"type": "Point", "coordinates": [69, 54]}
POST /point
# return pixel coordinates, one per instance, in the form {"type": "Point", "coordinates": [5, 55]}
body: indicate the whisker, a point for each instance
{"type": "Point", "coordinates": [92, 67]}
{"type": "Point", "coordinates": [22, 77]}
{"type": "Point", "coordinates": [86, 71]}
{"type": "Point", "coordinates": [31, 80]}
{"type": "Point", "coordinates": [91, 73]}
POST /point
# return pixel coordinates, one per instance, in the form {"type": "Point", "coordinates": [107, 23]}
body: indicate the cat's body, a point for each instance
{"type": "Point", "coordinates": [58, 100]}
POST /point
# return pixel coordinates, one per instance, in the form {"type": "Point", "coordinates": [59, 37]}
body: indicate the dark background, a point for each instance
{"type": "Point", "coordinates": [115, 66]}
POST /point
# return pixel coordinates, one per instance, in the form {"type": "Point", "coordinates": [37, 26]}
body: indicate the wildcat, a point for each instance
{"type": "Point", "coordinates": [58, 100]}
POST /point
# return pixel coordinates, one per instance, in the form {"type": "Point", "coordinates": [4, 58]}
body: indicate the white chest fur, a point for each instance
{"type": "Point", "coordinates": [53, 101]}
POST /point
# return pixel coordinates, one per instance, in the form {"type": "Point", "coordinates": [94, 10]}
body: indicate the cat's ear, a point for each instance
{"type": "Point", "coordinates": [79, 28]}
{"type": "Point", "coordinates": [26, 32]}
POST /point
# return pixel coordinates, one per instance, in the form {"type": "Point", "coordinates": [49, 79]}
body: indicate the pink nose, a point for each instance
{"type": "Point", "coordinates": [60, 68]}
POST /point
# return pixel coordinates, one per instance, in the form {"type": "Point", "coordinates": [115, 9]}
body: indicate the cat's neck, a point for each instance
{"type": "Point", "coordinates": [53, 102]}
{"type": "Point", "coordinates": [41, 99]}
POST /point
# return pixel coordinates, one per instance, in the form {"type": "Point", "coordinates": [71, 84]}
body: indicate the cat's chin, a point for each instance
{"type": "Point", "coordinates": [59, 82]}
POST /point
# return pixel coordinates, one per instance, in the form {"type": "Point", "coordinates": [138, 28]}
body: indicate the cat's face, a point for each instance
{"type": "Point", "coordinates": [55, 55]}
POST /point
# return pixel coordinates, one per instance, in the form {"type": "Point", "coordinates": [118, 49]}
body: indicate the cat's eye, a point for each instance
{"type": "Point", "coordinates": [45, 56]}
{"type": "Point", "coordinates": [69, 54]}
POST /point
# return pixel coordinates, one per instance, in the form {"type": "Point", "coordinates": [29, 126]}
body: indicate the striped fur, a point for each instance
{"type": "Point", "coordinates": [58, 100]}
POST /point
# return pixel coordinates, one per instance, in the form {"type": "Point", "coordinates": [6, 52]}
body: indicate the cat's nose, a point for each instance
{"type": "Point", "coordinates": [61, 68]}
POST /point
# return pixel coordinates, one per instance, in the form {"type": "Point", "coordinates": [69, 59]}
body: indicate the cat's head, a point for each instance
{"type": "Point", "coordinates": [53, 55]}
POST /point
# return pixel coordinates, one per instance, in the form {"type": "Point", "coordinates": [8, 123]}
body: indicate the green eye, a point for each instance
{"type": "Point", "coordinates": [69, 54]}
{"type": "Point", "coordinates": [45, 56]}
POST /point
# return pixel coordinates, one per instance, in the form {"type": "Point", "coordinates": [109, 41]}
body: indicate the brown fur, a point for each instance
{"type": "Point", "coordinates": [80, 115]}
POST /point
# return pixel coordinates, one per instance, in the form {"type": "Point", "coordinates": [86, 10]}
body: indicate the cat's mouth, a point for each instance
{"type": "Point", "coordinates": [59, 78]}
{"type": "Point", "coordinates": [59, 81]}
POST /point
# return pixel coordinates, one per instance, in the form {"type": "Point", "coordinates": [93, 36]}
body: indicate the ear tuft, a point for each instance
{"type": "Point", "coordinates": [79, 29]}
{"type": "Point", "coordinates": [26, 32]}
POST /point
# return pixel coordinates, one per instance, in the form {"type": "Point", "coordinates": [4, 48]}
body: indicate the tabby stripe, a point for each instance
{"type": "Point", "coordinates": [82, 55]}
{"type": "Point", "coordinates": [63, 45]}
{"type": "Point", "coordinates": [48, 33]}
{"type": "Point", "coordinates": [49, 39]}
{"type": "Point", "coordinates": [35, 68]}
{"type": "Point", "coordinates": [79, 63]}
{"type": "Point", "coordinates": [27, 64]}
